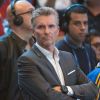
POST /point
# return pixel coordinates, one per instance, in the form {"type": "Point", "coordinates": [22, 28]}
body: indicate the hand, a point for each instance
{"type": "Point", "coordinates": [57, 88]}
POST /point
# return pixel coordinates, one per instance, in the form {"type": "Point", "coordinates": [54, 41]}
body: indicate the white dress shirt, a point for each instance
{"type": "Point", "coordinates": [54, 60]}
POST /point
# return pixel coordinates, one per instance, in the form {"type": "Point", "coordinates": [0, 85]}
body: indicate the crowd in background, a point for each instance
{"type": "Point", "coordinates": [60, 5]}
{"type": "Point", "coordinates": [92, 37]}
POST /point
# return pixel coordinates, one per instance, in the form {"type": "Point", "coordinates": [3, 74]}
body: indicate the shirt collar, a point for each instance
{"type": "Point", "coordinates": [48, 53]}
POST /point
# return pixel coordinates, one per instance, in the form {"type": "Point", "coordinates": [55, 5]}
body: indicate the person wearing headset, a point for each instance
{"type": "Point", "coordinates": [76, 27]}
{"type": "Point", "coordinates": [19, 14]}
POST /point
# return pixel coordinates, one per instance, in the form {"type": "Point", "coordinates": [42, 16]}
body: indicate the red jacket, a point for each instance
{"type": "Point", "coordinates": [3, 14]}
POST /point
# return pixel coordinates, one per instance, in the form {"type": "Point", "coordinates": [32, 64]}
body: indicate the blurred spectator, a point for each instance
{"type": "Point", "coordinates": [94, 39]}
{"type": "Point", "coordinates": [57, 4]}
{"type": "Point", "coordinates": [34, 3]}
{"type": "Point", "coordinates": [94, 14]}
{"type": "Point", "coordinates": [7, 29]}
{"type": "Point", "coordinates": [19, 16]}
{"type": "Point", "coordinates": [3, 7]}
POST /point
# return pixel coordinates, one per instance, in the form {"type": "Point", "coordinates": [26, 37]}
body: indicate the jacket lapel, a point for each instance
{"type": "Point", "coordinates": [47, 63]}
{"type": "Point", "coordinates": [63, 67]}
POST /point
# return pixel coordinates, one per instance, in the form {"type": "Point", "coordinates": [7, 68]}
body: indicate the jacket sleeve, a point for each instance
{"type": "Point", "coordinates": [78, 81]}
{"type": "Point", "coordinates": [86, 89]}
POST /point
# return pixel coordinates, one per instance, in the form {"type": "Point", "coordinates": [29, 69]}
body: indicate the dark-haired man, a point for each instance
{"type": "Point", "coordinates": [76, 27]}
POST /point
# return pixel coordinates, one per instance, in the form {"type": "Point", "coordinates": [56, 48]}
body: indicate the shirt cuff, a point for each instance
{"type": "Point", "coordinates": [70, 91]}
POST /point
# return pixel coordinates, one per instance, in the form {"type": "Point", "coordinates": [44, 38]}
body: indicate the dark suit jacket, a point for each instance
{"type": "Point", "coordinates": [11, 47]}
{"type": "Point", "coordinates": [84, 56]}
{"type": "Point", "coordinates": [37, 77]}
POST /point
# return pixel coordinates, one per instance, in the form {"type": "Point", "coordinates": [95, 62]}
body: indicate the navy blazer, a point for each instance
{"type": "Point", "coordinates": [37, 77]}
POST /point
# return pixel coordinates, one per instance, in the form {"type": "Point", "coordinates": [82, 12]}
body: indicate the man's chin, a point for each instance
{"type": "Point", "coordinates": [48, 44]}
{"type": "Point", "coordinates": [82, 39]}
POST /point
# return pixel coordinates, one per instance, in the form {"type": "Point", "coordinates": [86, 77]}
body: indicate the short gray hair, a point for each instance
{"type": "Point", "coordinates": [44, 11]}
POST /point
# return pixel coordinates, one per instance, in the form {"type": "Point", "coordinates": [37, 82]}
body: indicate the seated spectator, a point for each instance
{"type": "Point", "coordinates": [46, 73]}
{"type": "Point", "coordinates": [93, 7]}
{"type": "Point", "coordinates": [56, 4]}
{"type": "Point", "coordinates": [19, 14]}
{"type": "Point", "coordinates": [93, 38]}
{"type": "Point", "coordinates": [76, 29]}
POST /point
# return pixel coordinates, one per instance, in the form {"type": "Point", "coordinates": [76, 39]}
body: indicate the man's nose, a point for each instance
{"type": "Point", "coordinates": [83, 26]}
{"type": "Point", "coordinates": [47, 30]}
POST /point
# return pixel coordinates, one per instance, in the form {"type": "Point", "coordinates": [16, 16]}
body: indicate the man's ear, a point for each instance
{"type": "Point", "coordinates": [33, 37]}
{"type": "Point", "coordinates": [34, 34]}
